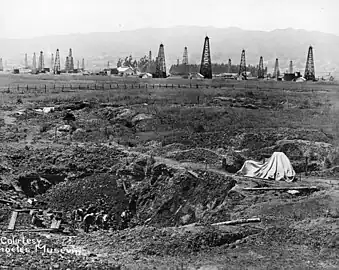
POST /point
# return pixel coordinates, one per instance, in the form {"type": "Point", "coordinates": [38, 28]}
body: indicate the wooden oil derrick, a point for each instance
{"type": "Point", "coordinates": [57, 66]}
{"type": "Point", "coordinates": [52, 61]}
{"type": "Point", "coordinates": [309, 70]}
{"type": "Point", "coordinates": [83, 64]}
{"type": "Point", "coordinates": [206, 65]}
{"type": "Point", "coordinates": [1, 65]}
{"type": "Point", "coordinates": [185, 61]}
{"type": "Point", "coordinates": [290, 69]}
{"type": "Point", "coordinates": [229, 68]}
{"type": "Point", "coordinates": [242, 68]}
{"type": "Point", "coordinates": [26, 61]}
{"type": "Point", "coordinates": [185, 57]}
{"type": "Point", "coordinates": [261, 71]}
{"type": "Point", "coordinates": [276, 72]}
{"type": "Point", "coordinates": [34, 63]}
{"type": "Point", "coordinates": [41, 65]}
{"type": "Point", "coordinates": [160, 63]}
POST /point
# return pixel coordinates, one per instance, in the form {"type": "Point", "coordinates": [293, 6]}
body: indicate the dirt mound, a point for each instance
{"type": "Point", "coordinates": [199, 155]}
{"type": "Point", "coordinates": [101, 190]}
{"type": "Point", "coordinates": [27, 165]}
{"type": "Point", "coordinates": [172, 197]}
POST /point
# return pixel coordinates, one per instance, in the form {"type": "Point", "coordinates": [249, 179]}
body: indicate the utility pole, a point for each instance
{"type": "Point", "coordinates": [310, 70]}
{"type": "Point", "coordinates": [206, 64]}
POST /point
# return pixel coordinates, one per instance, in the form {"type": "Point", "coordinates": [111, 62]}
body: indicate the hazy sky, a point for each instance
{"type": "Point", "coordinates": [30, 18]}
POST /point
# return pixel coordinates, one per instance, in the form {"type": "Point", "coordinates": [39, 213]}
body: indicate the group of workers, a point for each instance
{"type": "Point", "coordinates": [99, 219]}
{"type": "Point", "coordinates": [90, 217]}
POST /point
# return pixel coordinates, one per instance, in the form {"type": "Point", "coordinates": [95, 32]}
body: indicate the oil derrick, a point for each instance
{"type": "Point", "coordinates": [185, 61]}
{"type": "Point", "coordinates": [309, 70]}
{"type": "Point", "coordinates": [57, 66]}
{"type": "Point", "coordinates": [229, 68]}
{"type": "Point", "coordinates": [26, 61]}
{"type": "Point", "coordinates": [276, 72]}
{"type": "Point", "coordinates": [261, 70]}
{"type": "Point", "coordinates": [1, 65]}
{"type": "Point", "coordinates": [71, 61]}
{"type": "Point", "coordinates": [34, 63]}
{"type": "Point", "coordinates": [83, 64]}
{"type": "Point", "coordinates": [290, 69]}
{"type": "Point", "coordinates": [149, 65]}
{"type": "Point", "coordinates": [178, 62]}
{"type": "Point", "coordinates": [185, 57]}
{"type": "Point", "coordinates": [78, 65]}
{"type": "Point", "coordinates": [161, 65]}
{"type": "Point", "coordinates": [206, 65]}
{"type": "Point", "coordinates": [41, 65]}
{"type": "Point", "coordinates": [242, 68]}
{"type": "Point", "coordinates": [69, 65]}
{"type": "Point", "coordinates": [52, 61]}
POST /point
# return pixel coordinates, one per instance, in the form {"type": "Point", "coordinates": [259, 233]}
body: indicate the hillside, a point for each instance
{"type": "Point", "coordinates": [98, 48]}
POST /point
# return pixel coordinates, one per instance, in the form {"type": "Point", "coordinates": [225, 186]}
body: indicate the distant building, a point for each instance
{"type": "Point", "coordinates": [125, 71]}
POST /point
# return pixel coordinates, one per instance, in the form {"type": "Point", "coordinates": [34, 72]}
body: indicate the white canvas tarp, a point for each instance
{"type": "Point", "coordinates": [277, 167]}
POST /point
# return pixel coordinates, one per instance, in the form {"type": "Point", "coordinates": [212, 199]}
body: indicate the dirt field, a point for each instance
{"type": "Point", "coordinates": [164, 141]}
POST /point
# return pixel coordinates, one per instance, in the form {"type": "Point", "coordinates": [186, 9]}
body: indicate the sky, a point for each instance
{"type": "Point", "coordinates": [32, 18]}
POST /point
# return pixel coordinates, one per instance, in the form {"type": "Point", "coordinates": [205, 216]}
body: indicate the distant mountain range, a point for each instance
{"type": "Point", "coordinates": [99, 48]}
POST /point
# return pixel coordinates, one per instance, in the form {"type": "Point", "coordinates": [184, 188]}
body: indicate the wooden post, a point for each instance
{"type": "Point", "coordinates": [27, 87]}
{"type": "Point", "coordinates": [45, 88]}
{"type": "Point", "coordinates": [70, 86]}
{"type": "Point", "coordinates": [18, 88]}
{"type": "Point", "coordinates": [79, 86]}
{"type": "Point", "coordinates": [306, 166]}
{"type": "Point", "coordinates": [103, 86]}
{"type": "Point", "coordinates": [55, 133]}
{"type": "Point", "coordinates": [62, 89]}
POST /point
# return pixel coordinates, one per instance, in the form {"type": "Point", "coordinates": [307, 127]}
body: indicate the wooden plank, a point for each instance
{"type": "Point", "coordinates": [32, 230]}
{"type": "Point", "coordinates": [280, 188]}
{"type": "Point", "coordinates": [238, 221]}
{"type": "Point", "coordinates": [12, 222]}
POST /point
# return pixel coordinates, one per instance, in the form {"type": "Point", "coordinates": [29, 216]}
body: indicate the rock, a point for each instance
{"type": "Point", "coordinates": [65, 128]}
{"type": "Point", "coordinates": [139, 117]}
{"type": "Point", "coordinates": [232, 161]}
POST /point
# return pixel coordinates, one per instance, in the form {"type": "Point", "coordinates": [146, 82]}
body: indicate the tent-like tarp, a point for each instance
{"type": "Point", "coordinates": [277, 167]}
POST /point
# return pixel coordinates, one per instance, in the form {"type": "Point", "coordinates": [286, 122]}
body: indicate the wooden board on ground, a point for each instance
{"type": "Point", "coordinates": [12, 222]}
